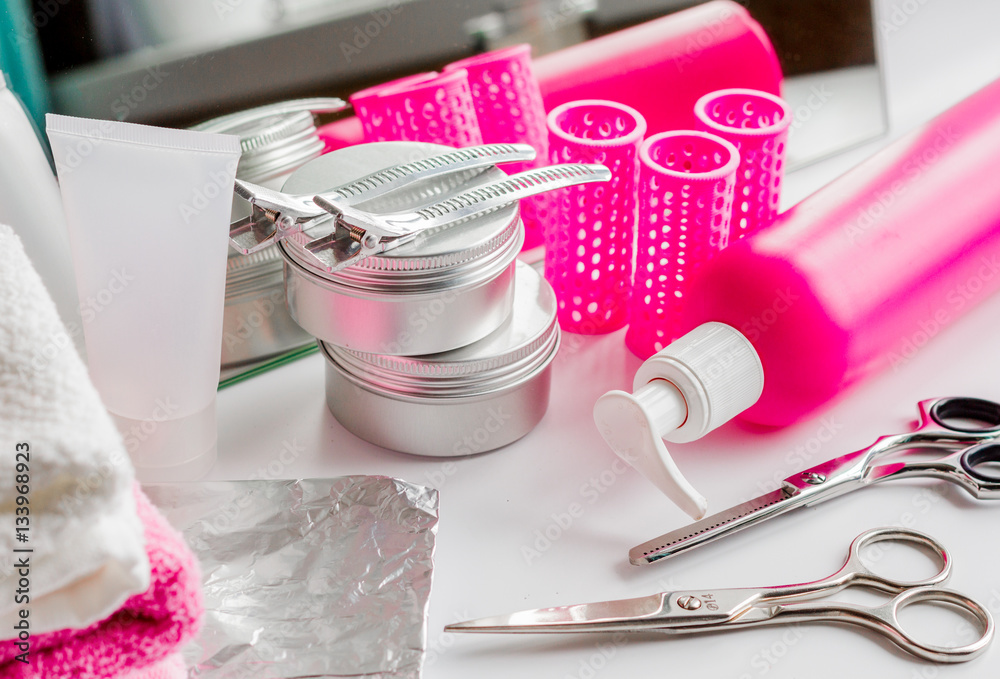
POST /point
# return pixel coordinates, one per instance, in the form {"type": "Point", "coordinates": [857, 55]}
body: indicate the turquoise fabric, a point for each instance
{"type": "Point", "coordinates": [21, 57]}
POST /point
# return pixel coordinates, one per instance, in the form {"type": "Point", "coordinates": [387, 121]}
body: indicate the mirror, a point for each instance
{"type": "Point", "coordinates": [179, 62]}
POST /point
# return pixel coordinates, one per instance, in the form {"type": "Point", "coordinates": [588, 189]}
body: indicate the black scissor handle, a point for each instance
{"type": "Point", "coordinates": [946, 410]}
{"type": "Point", "coordinates": [975, 459]}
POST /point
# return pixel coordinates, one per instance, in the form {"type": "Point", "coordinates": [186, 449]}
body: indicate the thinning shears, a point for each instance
{"type": "Point", "coordinates": [704, 610]}
{"type": "Point", "coordinates": [969, 428]}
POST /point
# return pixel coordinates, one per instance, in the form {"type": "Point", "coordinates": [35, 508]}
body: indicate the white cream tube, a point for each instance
{"type": "Point", "coordinates": [148, 214]}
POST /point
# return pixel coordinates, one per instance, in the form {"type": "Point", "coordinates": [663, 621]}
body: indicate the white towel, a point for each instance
{"type": "Point", "coordinates": [88, 552]}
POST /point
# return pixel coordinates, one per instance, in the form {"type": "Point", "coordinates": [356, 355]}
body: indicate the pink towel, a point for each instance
{"type": "Point", "coordinates": [147, 629]}
{"type": "Point", "coordinates": [171, 668]}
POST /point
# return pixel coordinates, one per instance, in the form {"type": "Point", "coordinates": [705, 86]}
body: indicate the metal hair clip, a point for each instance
{"type": "Point", "coordinates": [360, 233]}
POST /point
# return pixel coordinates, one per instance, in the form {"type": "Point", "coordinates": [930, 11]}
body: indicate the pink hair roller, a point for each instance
{"type": "Point", "coordinates": [757, 124]}
{"type": "Point", "coordinates": [660, 68]}
{"type": "Point", "coordinates": [686, 186]}
{"type": "Point", "coordinates": [588, 238]}
{"type": "Point", "coordinates": [428, 107]}
{"type": "Point", "coordinates": [509, 108]}
{"type": "Point", "coordinates": [861, 274]}
{"type": "Point", "coordinates": [370, 111]}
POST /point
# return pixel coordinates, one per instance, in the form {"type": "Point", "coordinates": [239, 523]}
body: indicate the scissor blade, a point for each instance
{"type": "Point", "coordinates": [714, 527]}
{"type": "Point", "coordinates": [596, 617]}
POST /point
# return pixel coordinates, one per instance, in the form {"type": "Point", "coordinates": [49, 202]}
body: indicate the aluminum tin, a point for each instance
{"type": "Point", "coordinates": [470, 400]}
{"type": "Point", "coordinates": [256, 322]}
{"type": "Point", "coordinates": [437, 293]}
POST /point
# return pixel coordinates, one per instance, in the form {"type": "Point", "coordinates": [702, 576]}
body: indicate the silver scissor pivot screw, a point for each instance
{"type": "Point", "coordinates": [813, 479]}
{"type": "Point", "coordinates": [690, 603]}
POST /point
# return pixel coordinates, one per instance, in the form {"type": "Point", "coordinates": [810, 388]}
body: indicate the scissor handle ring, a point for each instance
{"type": "Point", "coordinates": [934, 652]}
{"type": "Point", "coordinates": [966, 407]}
{"type": "Point", "coordinates": [974, 456]}
{"type": "Point", "coordinates": [865, 575]}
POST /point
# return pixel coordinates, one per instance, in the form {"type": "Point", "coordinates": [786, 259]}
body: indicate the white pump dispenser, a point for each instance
{"type": "Point", "coordinates": [696, 384]}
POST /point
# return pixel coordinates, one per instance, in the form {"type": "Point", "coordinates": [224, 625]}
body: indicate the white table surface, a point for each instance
{"type": "Point", "coordinates": [490, 558]}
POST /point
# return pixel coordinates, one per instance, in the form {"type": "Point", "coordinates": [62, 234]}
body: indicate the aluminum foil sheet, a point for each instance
{"type": "Point", "coordinates": [309, 578]}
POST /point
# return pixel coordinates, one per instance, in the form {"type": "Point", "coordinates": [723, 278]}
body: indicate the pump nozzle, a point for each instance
{"type": "Point", "coordinates": [698, 383]}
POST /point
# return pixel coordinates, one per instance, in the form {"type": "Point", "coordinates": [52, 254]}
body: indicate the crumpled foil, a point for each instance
{"type": "Point", "coordinates": [309, 578]}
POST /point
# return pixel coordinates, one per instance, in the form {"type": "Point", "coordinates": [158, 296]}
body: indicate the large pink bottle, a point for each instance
{"type": "Point", "coordinates": [860, 275]}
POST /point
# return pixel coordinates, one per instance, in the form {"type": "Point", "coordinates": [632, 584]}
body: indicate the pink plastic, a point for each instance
{"type": "Point", "coordinates": [756, 123]}
{"type": "Point", "coordinates": [427, 107]}
{"type": "Point", "coordinates": [370, 108]}
{"type": "Point", "coordinates": [862, 274]}
{"type": "Point", "coordinates": [659, 68]}
{"type": "Point", "coordinates": [662, 67]}
{"type": "Point", "coordinates": [148, 628]}
{"type": "Point", "coordinates": [509, 108]}
{"type": "Point", "coordinates": [588, 237]}
{"type": "Point", "coordinates": [686, 186]}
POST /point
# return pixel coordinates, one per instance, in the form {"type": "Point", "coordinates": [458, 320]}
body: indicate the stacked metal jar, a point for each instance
{"type": "Point", "coordinates": [441, 346]}
{"type": "Point", "coordinates": [276, 140]}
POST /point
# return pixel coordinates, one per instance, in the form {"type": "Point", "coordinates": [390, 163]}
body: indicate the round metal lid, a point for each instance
{"type": "Point", "coordinates": [443, 252]}
{"type": "Point", "coordinates": [526, 341]}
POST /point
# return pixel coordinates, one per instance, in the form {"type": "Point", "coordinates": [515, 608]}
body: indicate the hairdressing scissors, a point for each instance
{"type": "Point", "coordinates": [969, 428]}
{"type": "Point", "coordinates": [706, 610]}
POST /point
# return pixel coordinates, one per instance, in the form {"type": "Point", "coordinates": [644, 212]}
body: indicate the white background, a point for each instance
{"type": "Point", "coordinates": [937, 52]}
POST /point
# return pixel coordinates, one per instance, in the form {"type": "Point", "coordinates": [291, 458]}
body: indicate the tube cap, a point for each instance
{"type": "Point", "coordinates": [171, 450]}
{"type": "Point", "coordinates": [696, 384]}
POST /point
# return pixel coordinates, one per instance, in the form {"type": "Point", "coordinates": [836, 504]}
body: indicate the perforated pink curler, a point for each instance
{"type": "Point", "coordinates": [509, 106]}
{"type": "Point", "coordinates": [370, 109]}
{"type": "Point", "coordinates": [686, 187]}
{"type": "Point", "coordinates": [589, 234]}
{"type": "Point", "coordinates": [660, 68]}
{"type": "Point", "coordinates": [427, 107]}
{"type": "Point", "coordinates": [757, 124]}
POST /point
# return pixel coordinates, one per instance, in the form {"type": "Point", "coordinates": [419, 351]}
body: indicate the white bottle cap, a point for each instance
{"type": "Point", "coordinates": [696, 384]}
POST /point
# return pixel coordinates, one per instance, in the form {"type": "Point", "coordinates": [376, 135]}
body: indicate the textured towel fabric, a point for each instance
{"type": "Point", "coordinates": [171, 668]}
{"type": "Point", "coordinates": [88, 553]}
{"type": "Point", "coordinates": [148, 629]}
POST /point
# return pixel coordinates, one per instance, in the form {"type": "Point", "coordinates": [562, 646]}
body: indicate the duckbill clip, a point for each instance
{"type": "Point", "coordinates": [360, 233]}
